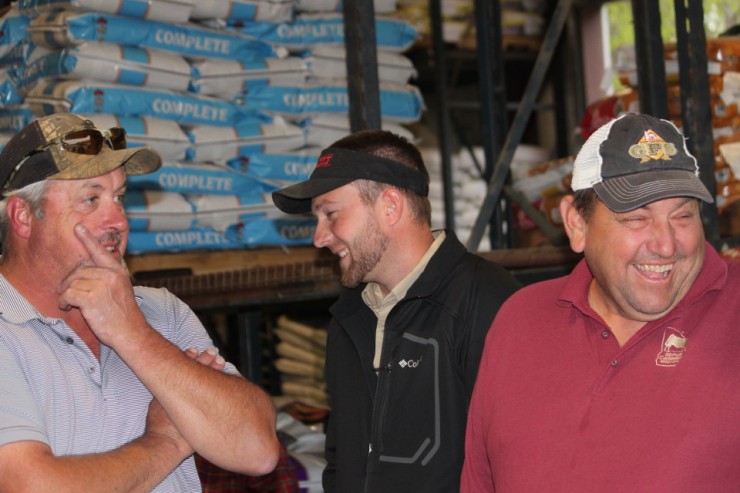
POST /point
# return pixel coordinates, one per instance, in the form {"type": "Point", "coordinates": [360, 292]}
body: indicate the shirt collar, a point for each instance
{"type": "Point", "coordinates": [372, 295]}
{"type": "Point", "coordinates": [713, 276]}
{"type": "Point", "coordinates": [14, 307]}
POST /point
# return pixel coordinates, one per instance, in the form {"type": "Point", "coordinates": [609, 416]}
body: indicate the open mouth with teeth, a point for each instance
{"type": "Point", "coordinates": [655, 270]}
{"type": "Point", "coordinates": [113, 249]}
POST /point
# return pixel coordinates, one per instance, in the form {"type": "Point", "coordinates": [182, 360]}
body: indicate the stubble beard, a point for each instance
{"type": "Point", "coordinates": [365, 256]}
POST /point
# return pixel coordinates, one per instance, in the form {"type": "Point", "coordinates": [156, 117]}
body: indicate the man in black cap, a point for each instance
{"type": "Point", "coordinates": [103, 386]}
{"type": "Point", "coordinates": [623, 375]}
{"type": "Point", "coordinates": [407, 332]}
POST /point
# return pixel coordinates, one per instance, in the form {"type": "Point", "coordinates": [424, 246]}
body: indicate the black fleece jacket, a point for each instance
{"type": "Point", "coordinates": [402, 427]}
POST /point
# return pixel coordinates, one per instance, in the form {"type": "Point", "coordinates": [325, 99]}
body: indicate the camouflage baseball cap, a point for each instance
{"type": "Point", "coordinates": [65, 146]}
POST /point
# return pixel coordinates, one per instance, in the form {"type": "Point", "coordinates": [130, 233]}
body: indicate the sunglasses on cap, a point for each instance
{"type": "Point", "coordinates": [87, 141]}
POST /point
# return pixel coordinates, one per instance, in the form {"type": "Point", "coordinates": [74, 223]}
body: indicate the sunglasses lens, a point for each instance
{"type": "Point", "coordinates": [90, 141]}
{"type": "Point", "coordinates": [117, 138]}
{"type": "Point", "coordinates": [85, 141]}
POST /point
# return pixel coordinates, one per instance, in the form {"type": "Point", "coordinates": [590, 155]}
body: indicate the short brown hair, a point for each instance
{"type": "Point", "coordinates": [395, 147]}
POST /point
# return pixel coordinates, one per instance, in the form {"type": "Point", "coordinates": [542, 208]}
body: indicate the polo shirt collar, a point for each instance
{"type": "Point", "coordinates": [712, 277]}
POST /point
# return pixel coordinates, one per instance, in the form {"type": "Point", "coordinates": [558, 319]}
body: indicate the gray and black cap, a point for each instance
{"type": "Point", "coordinates": [637, 159]}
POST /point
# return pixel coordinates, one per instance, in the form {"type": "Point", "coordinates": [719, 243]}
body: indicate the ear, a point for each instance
{"type": "Point", "coordinates": [574, 223]}
{"type": "Point", "coordinates": [20, 216]}
{"type": "Point", "coordinates": [392, 203]}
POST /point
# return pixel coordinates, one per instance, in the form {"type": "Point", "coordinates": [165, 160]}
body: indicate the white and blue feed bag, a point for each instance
{"type": "Point", "coordinates": [155, 10]}
{"type": "Point", "coordinates": [106, 62]}
{"type": "Point", "coordinates": [165, 136]}
{"type": "Point", "coordinates": [154, 210]}
{"type": "Point", "coordinates": [174, 11]}
{"type": "Point", "coordinates": [10, 92]}
{"type": "Point", "coordinates": [13, 30]}
{"type": "Point", "coordinates": [198, 178]}
{"type": "Point", "coordinates": [117, 99]}
{"type": "Point", "coordinates": [288, 231]}
{"type": "Point", "coordinates": [402, 103]}
{"type": "Point", "coordinates": [330, 62]}
{"type": "Point", "coordinates": [15, 118]}
{"type": "Point", "coordinates": [379, 6]}
{"type": "Point", "coordinates": [244, 10]}
{"type": "Point", "coordinates": [307, 30]}
{"type": "Point", "coordinates": [220, 212]}
{"type": "Point", "coordinates": [66, 28]}
{"type": "Point", "coordinates": [226, 78]}
{"type": "Point", "coordinates": [212, 143]}
{"type": "Point", "coordinates": [324, 129]}
{"type": "Point", "coordinates": [278, 169]}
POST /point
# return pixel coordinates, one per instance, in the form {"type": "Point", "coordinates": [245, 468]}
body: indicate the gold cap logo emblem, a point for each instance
{"type": "Point", "coordinates": [652, 146]}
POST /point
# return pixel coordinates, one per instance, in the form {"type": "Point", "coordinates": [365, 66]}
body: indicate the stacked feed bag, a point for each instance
{"type": "Point", "coordinates": [319, 104]}
{"type": "Point", "coordinates": [14, 52]}
{"type": "Point", "coordinates": [469, 188]}
{"type": "Point", "coordinates": [227, 91]}
{"type": "Point", "coordinates": [301, 350]}
{"type": "Point", "coordinates": [122, 65]}
{"type": "Point", "coordinates": [319, 94]}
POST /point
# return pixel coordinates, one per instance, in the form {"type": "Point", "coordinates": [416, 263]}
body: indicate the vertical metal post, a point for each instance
{"type": "Point", "coordinates": [493, 103]}
{"type": "Point", "coordinates": [696, 115]}
{"type": "Point", "coordinates": [650, 60]}
{"type": "Point", "coordinates": [362, 65]}
{"type": "Point", "coordinates": [568, 81]}
{"type": "Point", "coordinates": [250, 348]}
{"type": "Point", "coordinates": [444, 125]}
{"type": "Point", "coordinates": [501, 171]}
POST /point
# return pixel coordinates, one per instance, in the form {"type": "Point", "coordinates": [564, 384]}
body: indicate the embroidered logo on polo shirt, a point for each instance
{"type": "Point", "coordinates": [672, 348]}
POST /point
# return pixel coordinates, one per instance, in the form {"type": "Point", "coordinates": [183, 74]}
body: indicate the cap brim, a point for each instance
{"type": "Point", "coordinates": [625, 193]}
{"type": "Point", "coordinates": [135, 161]}
{"type": "Point", "coordinates": [296, 199]}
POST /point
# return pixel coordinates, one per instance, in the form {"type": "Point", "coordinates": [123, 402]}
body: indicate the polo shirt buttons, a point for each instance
{"type": "Point", "coordinates": [69, 340]}
{"type": "Point", "coordinates": [615, 363]}
{"type": "Point", "coordinates": [605, 334]}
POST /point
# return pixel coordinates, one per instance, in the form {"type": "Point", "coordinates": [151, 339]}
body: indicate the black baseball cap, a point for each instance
{"type": "Point", "coordinates": [637, 159]}
{"type": "Point", "coordinates": [337, 167]}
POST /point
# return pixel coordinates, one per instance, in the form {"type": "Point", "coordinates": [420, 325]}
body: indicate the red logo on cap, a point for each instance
{"type": "Point", "coordinates": [324, 160]}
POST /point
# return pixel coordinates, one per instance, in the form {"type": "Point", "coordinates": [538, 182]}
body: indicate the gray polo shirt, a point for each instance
{"type": "Point", "coordinates": [54, 390]}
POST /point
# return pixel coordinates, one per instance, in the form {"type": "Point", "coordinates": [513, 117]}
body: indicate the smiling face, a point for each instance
{"type": "Point", "coordinates": [96, 203]}
{"type": "Point", "coordinates": [643, 261]}
{"type": "Point", "coordinates": [348, 227]}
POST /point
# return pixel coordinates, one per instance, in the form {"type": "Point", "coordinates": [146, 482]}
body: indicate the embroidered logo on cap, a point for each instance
{"type": "Point", "coordinates": [672, 349]}
{"type": "Point", "coordinates": [652, 146]}
{"type": "Point", "coordinates": [324, 160]}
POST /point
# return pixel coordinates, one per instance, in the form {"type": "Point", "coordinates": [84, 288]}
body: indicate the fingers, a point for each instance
{"type": "Point", "coordinates": [209, 357]}
{"type": "Point", "coordinates": [74, 297]}
{"type": "Point", "coordinates": [99, 255]}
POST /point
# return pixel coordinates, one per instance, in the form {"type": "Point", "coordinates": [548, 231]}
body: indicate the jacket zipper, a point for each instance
{"type": "Point", "coordinates": [379, 412]}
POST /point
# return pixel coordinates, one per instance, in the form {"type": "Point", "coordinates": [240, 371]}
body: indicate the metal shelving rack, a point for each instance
{"type": "Point", "coordinates": [499, 153]}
